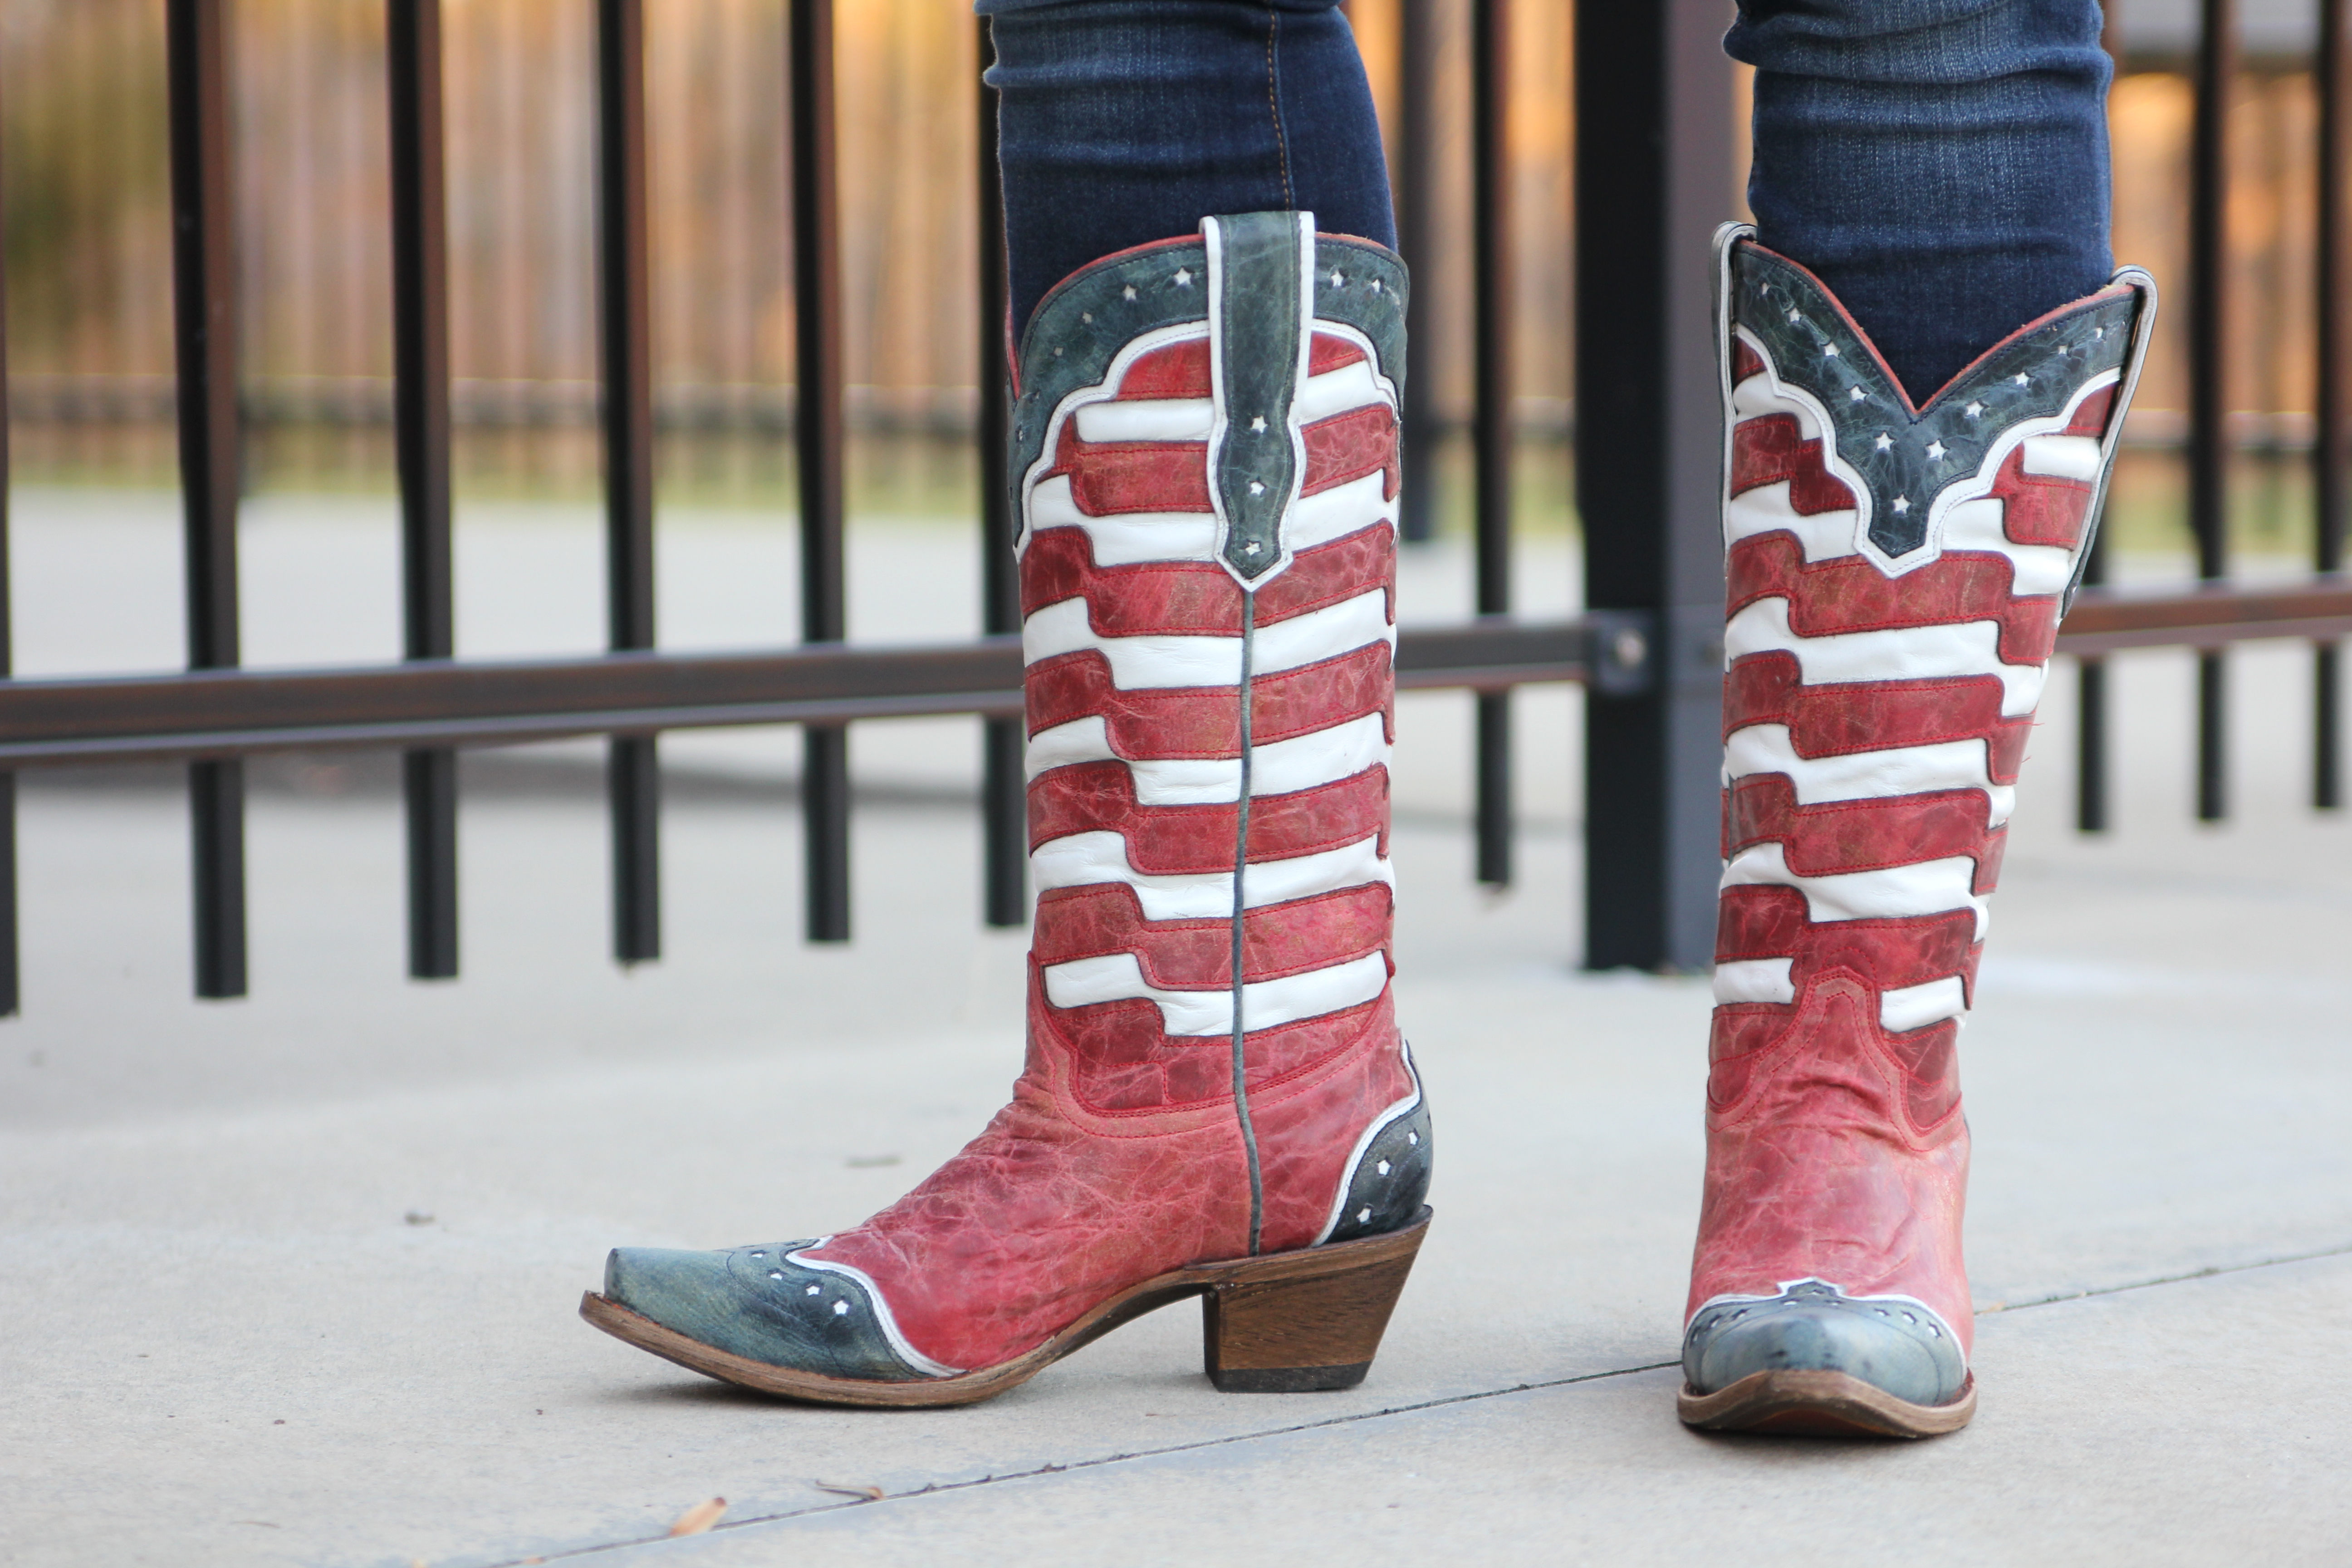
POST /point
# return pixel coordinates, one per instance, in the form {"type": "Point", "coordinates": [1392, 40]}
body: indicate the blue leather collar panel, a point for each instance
{"type": "Point", "coordinates": [1080, 327]}
{"type": "Point", "coordinates": [1905, 457]}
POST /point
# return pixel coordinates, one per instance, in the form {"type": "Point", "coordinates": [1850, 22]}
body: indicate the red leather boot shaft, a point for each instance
{"type": "Point", "coordinates": [1121, 1155]}
{"type": "Point", "coordinates": [1896, 576]}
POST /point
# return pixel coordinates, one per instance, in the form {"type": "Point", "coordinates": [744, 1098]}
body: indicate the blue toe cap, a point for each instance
{"type": "Point", "coordinates": [1892, 1342]}
{"type": "Point", "coordinates": [756, 1303]}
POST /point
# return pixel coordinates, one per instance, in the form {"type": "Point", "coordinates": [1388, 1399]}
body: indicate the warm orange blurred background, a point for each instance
{"type": "Point", "coordinates": [82, 156]}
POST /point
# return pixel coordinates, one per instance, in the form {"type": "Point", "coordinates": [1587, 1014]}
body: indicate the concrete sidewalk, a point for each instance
{"type": "Point", "coordinates": [293, 1280]}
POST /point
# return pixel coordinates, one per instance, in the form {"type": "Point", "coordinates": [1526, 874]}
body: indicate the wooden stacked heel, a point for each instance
{"type": "Point", "coordinates": [1302, 1322]}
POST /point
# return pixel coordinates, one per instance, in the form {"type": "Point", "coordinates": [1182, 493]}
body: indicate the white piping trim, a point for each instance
{"type": "Point", "coordinates": [889, 1325]}
{"type": "Point", "coordinates": [1363, 1143]}
{"type": "Point", "coordinates": [1730, 1297]}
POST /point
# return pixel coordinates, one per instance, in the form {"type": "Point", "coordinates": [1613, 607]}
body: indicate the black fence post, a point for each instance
{"type": "Point", "coordinates": [1004, 784]}
{"type": "Point", "coordinates": [420, 353]}
{"type": "Point", "coordinates": [1491, 242]}
{"type": "Point", "coordinates": [2209, 391]}
{"type": "Point", "coordinates": [817, 427]}
{"type": "Point", "coordinates": [203, 291]}
{"type": "Point", "coordinates": [11, 998]}
{"type": "Point", "coordinates": [1417, 144]}
{"type": "Point", "coordinates": [1653, 181]}
{"type": "Point", "coordinates": [2091, 790]}
{"type": "Point", "coordinates": [633, 772]}
{"type": "Point", "coordinates": [2329, 452]}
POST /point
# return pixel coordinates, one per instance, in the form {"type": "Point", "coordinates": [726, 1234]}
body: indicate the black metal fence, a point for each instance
{"type": "Point", "coordinates": [1652, 100]}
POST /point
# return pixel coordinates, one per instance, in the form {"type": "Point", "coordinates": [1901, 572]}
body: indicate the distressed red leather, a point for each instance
{"type": "Point", "coordinates": [1831, 1156]}
{"type": "Point", "coordinates": [1837, 1149]}
{"type": "Point", "coordinates": [1120, 1156]}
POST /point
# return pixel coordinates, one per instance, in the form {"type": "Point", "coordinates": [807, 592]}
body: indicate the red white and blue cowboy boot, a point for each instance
{"type": "Point", "coordinates": [1216, 1100]}
{"type": "Point", "coordinates": [1896, 574]}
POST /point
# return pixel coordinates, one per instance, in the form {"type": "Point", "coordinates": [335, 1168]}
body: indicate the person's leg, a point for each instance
{"type": "Point", "coordinates": [1933, 174]}
{"type": "Point", "coordinates": [1940, 165]}
{"type": "Point", "coordinates": [1216, 1098]}
{"type": "Point", "coordinates": [1125, 122]}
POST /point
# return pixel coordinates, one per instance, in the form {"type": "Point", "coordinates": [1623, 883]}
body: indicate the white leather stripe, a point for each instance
{"type": "Point", "coordinates": [2073, 457]}
{"type": "Point", "coordinates": [1335, 392]}
{"type": "Point", "coordinates": [1981, 525]}
{"type": "Point", "coordinates": [1119, 977]}
{"type": "Point", "coordinates": [1090, 859]}
{"type": "Point", "coordinates": [1125, 539]}
{"type": "Point", "coordinates": [1906, 653]}
{"type": "Point", "coordinates": [882, 1318]}
{"type": "Point", "coordinates": [1335, 513]}
{"type": "Point", "coordinates": [1824, 535]}
{"type": "Point", "coordinates": [1882, 774]}
{"type": "Point", "coordinates": [1279, 767]}
{"type": "Point", "coordinates": [1133, 539]}
{"type": "Point", "coordinates": [1157, 662]}
{"type": "Point", "coordinates": [1753, 398]}
{"type": "Point", "coordinates": [1917, 1006]}
{"type": "Point", "coordinates": [1147, 419]}
{"type": "Point", "coordinates": [1340, 391]}
{"type": "Point", "coordinates": [1755, 980]}
{"type": "Point", "coordinates": [1898, 892]}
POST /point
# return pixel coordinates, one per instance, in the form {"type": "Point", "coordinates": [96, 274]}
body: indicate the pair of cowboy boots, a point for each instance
{"type": "Point", "coordinates": [1216, 1100]}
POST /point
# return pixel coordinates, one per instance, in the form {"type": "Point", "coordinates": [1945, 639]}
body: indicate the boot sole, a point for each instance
{"type": "Point", "coordinates": [1291, 1322]}
{"type": "Point", "coordinates": [1821, 1404]}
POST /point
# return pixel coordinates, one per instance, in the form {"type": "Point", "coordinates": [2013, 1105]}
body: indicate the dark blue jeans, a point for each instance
{"type": "Point", "coordinates": [1941, 163]}
{"type": "Point", "coordinates": [1123, 122]}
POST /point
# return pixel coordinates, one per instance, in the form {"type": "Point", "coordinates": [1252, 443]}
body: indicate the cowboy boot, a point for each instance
{"type": "Point", "coordinates": [1216, 1102]}
{"type": "Point", "coordinates": [1897, 576]}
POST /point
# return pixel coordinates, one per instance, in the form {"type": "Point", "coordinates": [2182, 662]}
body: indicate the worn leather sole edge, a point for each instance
{"type": "Point", "coordinates": [1821, 1404]}
{"type": "Point", "coordinates": [1275, 1270]}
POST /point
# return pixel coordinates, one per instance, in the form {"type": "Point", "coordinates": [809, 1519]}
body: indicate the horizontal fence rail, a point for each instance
{"type": "Point", "coordinates": [426, 702]}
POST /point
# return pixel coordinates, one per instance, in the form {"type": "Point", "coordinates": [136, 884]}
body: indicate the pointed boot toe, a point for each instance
{"type": "Point", "coordinates": [734, 1312]}
{"type": "Point", "coordinates": [1814, 1359]}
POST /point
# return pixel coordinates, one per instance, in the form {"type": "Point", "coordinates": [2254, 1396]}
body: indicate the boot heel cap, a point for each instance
{"type": "Point", "coordinates": [1288, 1379]}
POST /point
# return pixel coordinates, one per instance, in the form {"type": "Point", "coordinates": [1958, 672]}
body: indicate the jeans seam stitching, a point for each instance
{"type": "Point", "coordinates": [1274, 107]}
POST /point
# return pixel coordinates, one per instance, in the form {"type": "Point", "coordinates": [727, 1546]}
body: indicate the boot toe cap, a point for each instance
{"type": "Point", "coordinates": [1892, 1342]}
{"type": "Point", "coordinates": [758, 1303]}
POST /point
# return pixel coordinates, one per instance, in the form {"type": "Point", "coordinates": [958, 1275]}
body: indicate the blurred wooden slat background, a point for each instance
{"type": "Point", "coordinates": [82, 168]}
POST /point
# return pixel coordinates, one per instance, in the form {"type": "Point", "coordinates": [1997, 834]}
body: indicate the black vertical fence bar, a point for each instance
{"type": "Point", "coordinates": [2209, 392]}
{"type": "Point", "coordinates": [11, 997]}
{"type": "Point", "coordinates": [1491, 225]}
{"type": "Point", "coordinates": [1416, 182]}
{"type": "Point", "coordinates": [420, 354]}
{"type": "Point", "coordinates": [817, 428]}
{"type": "Point", "coordinates": [204, 289]}
{"type": "Point", "coordinates": [1653, 181]}
{"type": "Point", "coordinates": [633, 773]}
{"type": "Point", "coordinates": [1003, 796]}
{"type": "Point", "coordinates": [2091, 713]}
{"type": "Point", "coordinates": [2329, 451]}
